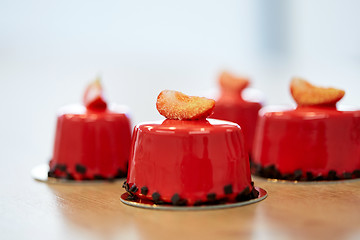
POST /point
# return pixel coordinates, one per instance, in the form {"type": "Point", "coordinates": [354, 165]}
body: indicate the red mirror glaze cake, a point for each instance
{"type": "Point", "coordinates": [232, 106]}
{"type": "Point", "coordinates": [91, 141]}
{"type": "Point", "coordinates": [188, 159]}
{"type": "Point", "coordinates": [315, 141]}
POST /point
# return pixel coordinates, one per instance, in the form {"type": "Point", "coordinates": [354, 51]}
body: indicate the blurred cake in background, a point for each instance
{"type": "Point", "coordinates": [314, 141]}
{"type": "Point", "coordinates": [92, 141]}
{"type": "Point", "coordinates": [237, 103]}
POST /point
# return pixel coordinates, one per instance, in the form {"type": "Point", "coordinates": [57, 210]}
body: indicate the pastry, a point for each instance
{"type": "Point", "coordinates": [233, 106]}
{"type": "Point", "coordinates": [314, 141]}
{"type": "Point", "coordinates": [187, 159]}
{"type": "Point", "coordinates": [92, 141]}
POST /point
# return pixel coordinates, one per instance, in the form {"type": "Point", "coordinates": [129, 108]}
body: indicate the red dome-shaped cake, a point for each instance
{"type": "Point", "coordinates": [91, 141]}
{"type": "Point", "coordinates": [186, 159]}
{"type": "Point", "coordinates": [233, 106]}
{"type": "Point", "coordinates": [315, 141]}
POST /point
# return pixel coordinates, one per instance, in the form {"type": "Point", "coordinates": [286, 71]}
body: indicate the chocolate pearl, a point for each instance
{"type": "Point", "coordinates": [80, 168]}
{"type": "Point", "coordinates": [133, 189]}
{"type": "Point", "coordinates": [297, 174]}
{"type": "Point", "coordinates": [144, 190]}
{"type": "Point", "coordinates": [156, 197]}
{"type": "Point", "coordinates": [98, 177]}
{"type": "Point", "coordinates": [228, 189]}
{"type": "Point", "coordinates": [254, 193]}
{"type": "Point", "coordinates": [309, 176]}
{"type": "Point", "coordinates": [211, 197]}
{"type": "Point", "coordinates": [126, 186]}
{"type": "Point", "coordinates": [61, 167]}
{"type": "Point", "coordinates": [332, 175]}
{"type": "Point", "coordinates": [347, 175]}
{"type": "Point", "coordinates": [243, 195]}
{"type": "Point", "coordinates": [356, 173]}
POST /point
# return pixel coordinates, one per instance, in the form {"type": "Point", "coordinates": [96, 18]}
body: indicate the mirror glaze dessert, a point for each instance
{"type": "Point", "coordinates": [188, 159]}
{"type": "Point", "coordinates": [92, 141]}
{"type": "Point", "coordinates": [314, 141]}
{"type": "Point", "coordinates": [233, 106]}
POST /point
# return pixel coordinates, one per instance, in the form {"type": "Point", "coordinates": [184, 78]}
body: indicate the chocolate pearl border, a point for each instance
{"type": "Point", "coordinates": [176, 200]}
{"type": "Point", "coordinates": [61, 171]}
{"type": "Point", "coordinates": [271, 171]}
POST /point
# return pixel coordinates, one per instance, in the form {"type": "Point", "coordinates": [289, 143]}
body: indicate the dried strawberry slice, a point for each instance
{"type": "Point", "coordinates": [306, 94]}
{"type": "Point", "coordinates": [176, 105]}
{"type": "Point", "coordinates": [231, 83]}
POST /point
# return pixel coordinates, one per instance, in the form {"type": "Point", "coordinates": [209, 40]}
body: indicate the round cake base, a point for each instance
{"type": "Point", "coordinates": [40, 173]}
{"type": "Point", "coordinates": [141, 203]}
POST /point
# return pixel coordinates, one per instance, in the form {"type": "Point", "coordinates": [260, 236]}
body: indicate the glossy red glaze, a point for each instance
{"type": "Point", "coordinates": [96, 139]}
{"type": "Point", "coordinates": [313, 139]}
{"type": "Point", "coordinates": [190, 158]}
{"type": "Point", "coordinates": [240, 111]}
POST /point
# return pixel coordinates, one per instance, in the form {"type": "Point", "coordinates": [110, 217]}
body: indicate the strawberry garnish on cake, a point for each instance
{"type": "Point", "coordinates": [93, 96]}
{"type": "Point", "coordinates": [306, 94]}
{"type": "Point", "coordinates": [178, 106]}
{"type": "Point", "coordinates": [232, 86]}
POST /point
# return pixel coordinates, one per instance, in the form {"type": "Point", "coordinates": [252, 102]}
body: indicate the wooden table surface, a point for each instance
{"type": "Point", "coordinates": [36, 210]}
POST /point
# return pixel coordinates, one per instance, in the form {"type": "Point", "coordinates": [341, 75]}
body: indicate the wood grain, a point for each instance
{"type": "Point", "coordinates": [291, 211]}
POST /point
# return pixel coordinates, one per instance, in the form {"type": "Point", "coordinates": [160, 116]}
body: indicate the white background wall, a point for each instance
{"type": "Point", "coordinates": [50, 50]}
